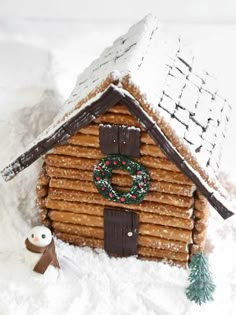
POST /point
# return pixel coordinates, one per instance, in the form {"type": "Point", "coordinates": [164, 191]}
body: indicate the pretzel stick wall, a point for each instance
{"type": "Point", "coordinates": [201, 214]}
{"type": "Point", "coordinates": [144, 217]}
{"type": "Point", "coordinates": [122, 181]}
{"type": "Point", "coordinates": [165, 232]}
{"type": "Point", "coordinates": [73, 205]}
{"type": "Point", "coordinates": [82, 173]}
{"type": "Point", "coordinates": [81, 196]}
{"type": "Point", "coordinates": [145, 252]}
{"type": "Point", "coordinates": [57, 202]}
{"type": "Point", "coordinates": [98, 233]}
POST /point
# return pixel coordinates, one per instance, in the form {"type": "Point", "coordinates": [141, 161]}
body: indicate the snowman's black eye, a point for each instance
{"type": "Point", "coordinates": [43, 236]}
{"type": "Point", "coordinates": [32, 235]}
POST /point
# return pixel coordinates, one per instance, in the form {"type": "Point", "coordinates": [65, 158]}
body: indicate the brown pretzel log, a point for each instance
{"type": "Point", "coordinates": [200, 225]}
{"type": "Point", "coordinates": [181, 201]}
{"type": "Point", "coordinates": [93, 129]}
{"type": "Point", "coordinates": [196, 248]}
{"type": "Point", "coordinates": [161, 243]}
{"type": "Point", "coordinates": [120, 119]}
{"type": "Point", "coordinates": [79, 240]}
{"type": "Point", "coordinates": [84, 231]}
{"type": "Point", "coordinates": [201, 213]}
{"type": "Point", "coordinates": [161, 253]}
{"type": "Point", "coordinates": [119, 109]}
{"type": "Point", "coordinates": [43, 214]}
{"type": "Point", "coordinates": [43, 180]}
{"type": "Point", "coordinates": [143, 251]}
{"type": "Point", "coordinates": [94, 153]}
{"type": "Point", "coordinates": [67, 216]}
{"type": "Point", "coordinates": [82, 219]}
{"type": "Point", "coordinates": [83, 140]}
{"type": "Point", "coordinates": [146, 206]}
{"type": "Point", "coordinates": [119, 180]}
{"type": "Point", "coordinates": [41, 191]}
{"type": "Point", "coordinates": [41, 202]}
{"type": "Point", "coordinates": [199, 238]}
{"type": "Point", "coordinates": [143, 240]}
{"type": "Point", "coordinates": [159, 175]}
{"type": "Point", "coordinates": [165, 232]}
{"type": "Point", "coordinates": [73, 195]}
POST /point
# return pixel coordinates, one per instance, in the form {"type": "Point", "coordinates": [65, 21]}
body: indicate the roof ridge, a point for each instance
{"type": "Point", "coordinates": [162, 75]}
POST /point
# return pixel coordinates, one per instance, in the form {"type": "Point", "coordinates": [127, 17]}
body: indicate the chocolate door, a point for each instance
{"type": "Point", "coordinates": [120, 232]}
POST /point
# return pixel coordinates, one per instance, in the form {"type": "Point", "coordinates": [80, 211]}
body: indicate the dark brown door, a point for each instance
{"type": "Point", "coordinates": [120, 232]}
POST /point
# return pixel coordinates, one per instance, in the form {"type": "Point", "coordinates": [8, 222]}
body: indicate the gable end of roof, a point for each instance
{"type": "Point", "coordinates": [94, 108]}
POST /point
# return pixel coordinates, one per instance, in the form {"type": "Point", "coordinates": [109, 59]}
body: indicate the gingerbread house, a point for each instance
{"type": "Point", "coordinates": [130, 163]}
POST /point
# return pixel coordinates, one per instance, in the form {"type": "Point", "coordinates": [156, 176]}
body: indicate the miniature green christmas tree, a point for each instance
{"type": "Point", "coordinates": [201, 286]}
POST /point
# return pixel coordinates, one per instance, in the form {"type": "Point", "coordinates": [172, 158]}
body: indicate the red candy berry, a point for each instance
{"type": "Point", "coordinates": [103, 179]}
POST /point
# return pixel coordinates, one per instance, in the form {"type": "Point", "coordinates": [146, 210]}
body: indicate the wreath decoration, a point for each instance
{"type": "Point", "coordinates": [102, 176]}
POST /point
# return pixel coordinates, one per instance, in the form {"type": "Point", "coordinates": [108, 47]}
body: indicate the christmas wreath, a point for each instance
{"type": "Point", "coordinates": [102, 176]}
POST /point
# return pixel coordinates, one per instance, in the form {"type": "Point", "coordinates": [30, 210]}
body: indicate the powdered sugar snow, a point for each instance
{"type": "Point", "coordinates": [89, 282]}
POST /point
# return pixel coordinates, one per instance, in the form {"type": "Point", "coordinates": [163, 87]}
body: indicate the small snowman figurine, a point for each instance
{"type": "Point", "coordinates": [41, 249]}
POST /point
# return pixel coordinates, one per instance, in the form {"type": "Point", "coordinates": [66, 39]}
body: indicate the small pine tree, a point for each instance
{"type": "Point", "coordinates": [201, 286]}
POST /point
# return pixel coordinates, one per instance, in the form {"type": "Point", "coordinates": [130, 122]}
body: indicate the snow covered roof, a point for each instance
{"type": "Point", "coordinates": [154, 68]}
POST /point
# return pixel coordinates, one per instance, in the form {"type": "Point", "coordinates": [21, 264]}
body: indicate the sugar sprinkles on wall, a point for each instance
{"type": "Point", "coordinates": [41, 249]}
{"type": "Point", "coordinates": [117, 114]}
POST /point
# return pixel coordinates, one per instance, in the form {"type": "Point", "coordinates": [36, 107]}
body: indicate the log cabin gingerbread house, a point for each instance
{"type": "Point", "coordinates": [130, 163]}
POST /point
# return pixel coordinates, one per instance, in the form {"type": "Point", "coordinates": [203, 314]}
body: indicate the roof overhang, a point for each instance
{"type": "Point", "coordinates": [93, 109]}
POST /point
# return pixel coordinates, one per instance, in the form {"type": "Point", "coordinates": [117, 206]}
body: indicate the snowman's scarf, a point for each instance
{"type": "Point", "coordinates": [48, 257]}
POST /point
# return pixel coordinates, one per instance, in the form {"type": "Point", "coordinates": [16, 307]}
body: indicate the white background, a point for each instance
{"type": "Point", "coordinates": [43, 46]}
{"type": "Point", "coordinates": [167, 10]}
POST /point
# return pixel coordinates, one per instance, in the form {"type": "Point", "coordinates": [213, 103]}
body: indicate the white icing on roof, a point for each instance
{"type": "Point", "coordinates": [171, 84]}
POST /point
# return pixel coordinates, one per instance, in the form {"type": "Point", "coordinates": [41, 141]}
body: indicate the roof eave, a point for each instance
{"type": "Point", "coordinates": [93, 109]}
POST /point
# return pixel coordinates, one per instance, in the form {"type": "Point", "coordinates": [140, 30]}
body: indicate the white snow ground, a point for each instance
{"type": "Point", "coordinates": [39, 61]}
